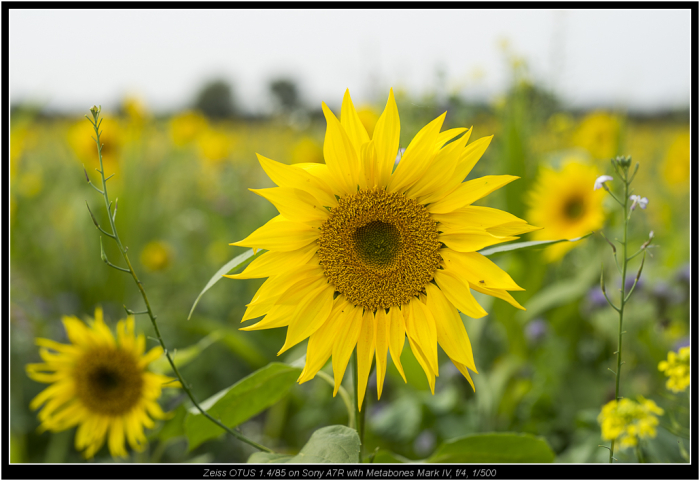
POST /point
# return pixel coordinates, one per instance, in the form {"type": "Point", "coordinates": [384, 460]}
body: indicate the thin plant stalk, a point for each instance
{"type": "Point", "coordinates": [115, 235]}
{"type": "Point", "coordinates": [623, 172]}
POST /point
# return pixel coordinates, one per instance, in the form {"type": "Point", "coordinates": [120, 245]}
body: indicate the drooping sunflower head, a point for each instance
{"type": "Point", "coordinates": [366, 253]}
{"type": "Point", "coordinates": [565, 205]}
{"type": "Point", "coordinates": [100, 384]}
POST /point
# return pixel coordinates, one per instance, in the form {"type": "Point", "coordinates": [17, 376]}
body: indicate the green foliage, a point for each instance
{"type": "Point", "coordinates": [228, 268]}
{"type": "Point", "coordinates": [514, 246]}
{"type": "Point", "coordinates": [332, 444]}
{"type": "Point", "coordinates": [240, 402]}
{"type": "Point", "coordinates": [494, 448]}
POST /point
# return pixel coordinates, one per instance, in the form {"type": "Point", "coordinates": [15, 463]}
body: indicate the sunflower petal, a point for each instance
{"type": "Point", "coordinates": [417, 158]}
{"type": "Point", "coordinates": [386, 140]}
{"type": "Point", "coordinates": [477, 269]}
{"type": "Point", "coordinates": [351, 123]}
{"type": "Point", "coordinates": [420, 325]}
{"type": "Point", "coordinates": [458, 293]}
{"type": "Point", "coordinates": [309, 315]}
{"type": "Point", "coordinates": [295, 176]}
{"type": "Point", "coordinates": [365, 354]}
{"type": "Point", "coordinates": [397, 337]}
{"type": "Point", "coordinates": [295, 204]}
{"type": "Point", "coordinates": [280, 235]}
{"type": "Point", "coordinates": [340, 154]}
{"type": "Point", "coordinates": [472, 240]}
{"type": "Point", "coordinates": [381, 338]}
{"type": "Point", "coordinates": [272, 263]}
{"type": "Point", "coordinates": [469, 192]}
{"type": "Point", "coordinates": [345, 343]}
{"type": "Point", "coordinates": [451, 334]}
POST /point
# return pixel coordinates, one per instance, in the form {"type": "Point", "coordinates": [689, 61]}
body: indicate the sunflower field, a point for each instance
{"type": "Point", "coordinates": [386, 230]}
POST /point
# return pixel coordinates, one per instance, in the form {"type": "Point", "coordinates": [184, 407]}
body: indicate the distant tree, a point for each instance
{"type": "Point", "coordinates": [285, 93]}
{"type": "Point", "coordinates": [215, 100]}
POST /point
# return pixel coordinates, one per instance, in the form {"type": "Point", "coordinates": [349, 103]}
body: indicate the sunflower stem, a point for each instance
{"type": "Point", "coordinates": [344, 396]}
{"type": "Point", "coordinates": [115, 235]}
{"type": "Point", "coordinates": [360, 413]}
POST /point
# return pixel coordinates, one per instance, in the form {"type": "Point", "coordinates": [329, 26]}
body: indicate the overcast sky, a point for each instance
{"type": "Point", "coordinates": [71, 59]}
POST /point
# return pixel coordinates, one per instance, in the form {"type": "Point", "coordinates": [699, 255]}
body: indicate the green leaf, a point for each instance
{"type": "Point", "coordinates": [515, 246]}
{"type": "Point", "coordinates": [386, 457]}
{"type": "Point", "coordinates": [563, 292]}
{"type": "Point", "coordinates": [494, 448]}
{"type": "Point", "coordinates": [269, 458]}
{"type": "Point", "coordinates": [231, 266]}
{"type": "Point", "coordinates": [332, 444]}
{"type": "Point", "coordinates": [173, 427]}
{"type": "Point", "coordinates": [182, 357]}
{"type": "Point", "coordinates": [240, 402]}
{"type": "Point", "coordinates": [236, 341]}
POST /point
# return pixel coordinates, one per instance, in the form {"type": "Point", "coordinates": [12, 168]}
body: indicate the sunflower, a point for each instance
{"type": "Point", "coordinates": [363, 257]}
{"type": "Point", "coordinates": [565, 205]}
{"type": "Point", "coordinates": [99, 384]}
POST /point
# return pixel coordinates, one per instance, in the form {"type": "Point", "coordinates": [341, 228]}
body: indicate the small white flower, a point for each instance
{"type": "Point", "coordinates": [600, 182]}
{"type": "Point", "coordinates": [642, 201]}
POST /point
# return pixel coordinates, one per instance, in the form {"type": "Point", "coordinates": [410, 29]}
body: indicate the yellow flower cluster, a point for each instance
{"type": "Point", "coordinates": [626, 421]}
{"type": "Point", "coordinates": [677, 368]}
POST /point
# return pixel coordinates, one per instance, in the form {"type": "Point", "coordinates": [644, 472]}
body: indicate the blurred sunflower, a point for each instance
{"type": "Point", "coordinates": [307, 150]}
{"type": "Point", "coordinates": [214, 145]}
{"type": "Point", "coordinates": [599, 134]}
{"type": "Point", "coordinates": [99, 384]}
{"type": "Point", "coordinates": [676, 166]}
{"type": "Point", "coordinates": [361, 256]}
{"type": "Point", "coordinates": [156, 256]}
{"type": "Point", "coordinates": [565, 205]}
{"type": "Point", "coordinates": [185, 127]}
{"type": "Point", "coordinates": [80, 138]}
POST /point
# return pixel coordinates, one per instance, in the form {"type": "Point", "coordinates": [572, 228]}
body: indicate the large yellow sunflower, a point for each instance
{"type": "Point", "coordinates": [100, 384]}
{"type": "Point", "coordinates": [565, 205]}
{"type": "Point", "coordinates": [362, 256]}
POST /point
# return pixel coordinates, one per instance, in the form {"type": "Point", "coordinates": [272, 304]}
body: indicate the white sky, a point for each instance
{"type": "Point", "coordinates": [71, 59]}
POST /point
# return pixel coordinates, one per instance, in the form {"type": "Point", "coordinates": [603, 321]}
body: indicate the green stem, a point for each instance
{"type": "Point", "coordinates": [622, 302]}
{"type": "Point", "coordinates": [360, 413]}
{"type": "Point", "coordinates": [640, 455]}
{"type": "Point", "coordinates": [344, 396]}
{"type": "Point", "coordinates": [115, 236]}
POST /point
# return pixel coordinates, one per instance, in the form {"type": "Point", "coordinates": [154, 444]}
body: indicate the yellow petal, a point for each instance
{"type": "Point", "coordinates": [340, 154]}
{"type": "Point", "coordinates": [351, 123]}
{"type": "Point", "coordinates": [451, 334]}
{"type": "Point", "coordinates": [150, 356]}
{"type": "Point", "coordinates": [500, 293]}
{"type": "Point", "coordinates": [381, 339]}
{"type": "Point", "coordinates": [345, 343]}
{"type": "Point", "coordinates": [321, 342]}
{"type": "Point", "coordinates": [116, 438]}
{"type": "Point", "coordinates": [477, 269]}
{"type": "Point", "coordinates": [397, 337]}
{"type": "Point", "coordinates": [368, 157]}
{"type": "Point", "coordinates": [294, 176]}
{"type": "Point", "coordinates": [298, 290]}
{"type": "Point", "coordinates": [420, 326]}
{"type": "Point", "coordinates": [418, 157]}
{"type": "Point", "coordinates": [365, 354]}
{"type": "Point", "coordinates": [295, 204]}
{"type": "Point", "coordinates": [469, 192]}
{"type": "Point", "coordinates": [309, 315]}
{"type": "Point", "coordinates": [512, 228]}
{"type": "Point", "coordinates": [275, 286]}
{"type": "Point", "coordinates": [458, 293]}
{"type": "Point", "coordinates": [386, 140]}
{"type": "Point", "coordinates": [474, 216]}
{"type": "Point", "coordinates": [420, 357]}
{"type": "Point", "coordinates": [280, 235]}
{"type": "Point", "coordinates": [440, 171]}
{"type": "Point", "coordinates": [271, 263]}
{"type": "Point", "coordinates": [463, 369]}
{"type": "Point", "coordinates": [471, 240]}
{"type": "Point", "coordinates": [278, 316]}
